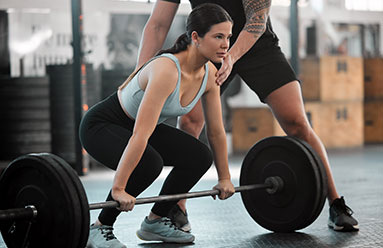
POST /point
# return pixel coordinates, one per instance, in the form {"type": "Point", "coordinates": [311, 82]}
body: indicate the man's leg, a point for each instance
{"type": "Point", "coordinates": [193, 122]}
{"type": "Point", "coordinates": [286, 104]}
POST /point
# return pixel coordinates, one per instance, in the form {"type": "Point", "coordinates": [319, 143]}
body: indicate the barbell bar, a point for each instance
{"type": "Point", "coordinates": [27, 213]}
{"type": "Point", "coordinates": [35, 185]}
{"type": "Point", "coordinates": [274, 184]}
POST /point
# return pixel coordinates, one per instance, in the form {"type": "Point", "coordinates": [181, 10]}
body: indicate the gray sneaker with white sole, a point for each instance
{"type": "Point", "coordinates": [163, 230]}
{"type": "Point", "coordinates": [103, 237]}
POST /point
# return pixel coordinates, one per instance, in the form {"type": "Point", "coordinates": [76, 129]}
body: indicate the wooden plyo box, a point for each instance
{"type": "Point", "coordinates": [332, 78]}
{"type": "Point", "coordinates": [338, 124]}
{"type": "Point", "coordinates": [249, 125]}
{"type": "Point", "coordinates": [373, 121]}
{"type": "Point", "coordinates": [373, 78]}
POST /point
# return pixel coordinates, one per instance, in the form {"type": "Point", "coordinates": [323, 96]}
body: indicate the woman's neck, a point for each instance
{"type": "Point", "coordinates": [191, 61]}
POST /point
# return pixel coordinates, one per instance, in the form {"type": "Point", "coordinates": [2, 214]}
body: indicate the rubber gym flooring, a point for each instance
{"type": "Point", "coordinates": [358, 175]}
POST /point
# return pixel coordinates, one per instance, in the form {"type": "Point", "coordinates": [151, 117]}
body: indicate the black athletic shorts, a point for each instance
{"type": "Point", "coordinates": [263, 71]}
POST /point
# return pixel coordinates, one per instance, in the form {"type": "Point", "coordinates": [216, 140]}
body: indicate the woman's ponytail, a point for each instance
{"type": "Point", "coordinates": [180, 45]}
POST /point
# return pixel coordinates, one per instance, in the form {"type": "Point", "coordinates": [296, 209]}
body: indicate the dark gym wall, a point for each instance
{"type": "Point", "coordinates": [5, 65]}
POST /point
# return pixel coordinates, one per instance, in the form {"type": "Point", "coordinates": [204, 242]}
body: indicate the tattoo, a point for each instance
{"type": "Point", "coordinates": [257, 12]}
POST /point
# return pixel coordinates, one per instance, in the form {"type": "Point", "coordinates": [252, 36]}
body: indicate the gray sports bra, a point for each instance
{"type": "Point", "coordinates": [131, 95]}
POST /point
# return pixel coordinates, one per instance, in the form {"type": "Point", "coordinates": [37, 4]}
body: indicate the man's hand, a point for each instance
{"type": "Point", "coordinates": [225, 70]}
{"type": "Point", "coordinates": [257, 12]}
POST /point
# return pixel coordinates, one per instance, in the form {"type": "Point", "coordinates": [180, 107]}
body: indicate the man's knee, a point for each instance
{"type": "Point", "coordinates": [299, 128]}
{"type": "Point", "coordinates": [192, 125]}
{"type": "Point", "coordinates": [188, 120]}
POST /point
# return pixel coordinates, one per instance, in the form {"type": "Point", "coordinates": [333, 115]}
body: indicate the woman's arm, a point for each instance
{"type": "Point", "coordinates": [162, 78]}
{"type": "Point", "coordinates": [216, 135]}
{"type": "Point", "coordinates": [156, 30]}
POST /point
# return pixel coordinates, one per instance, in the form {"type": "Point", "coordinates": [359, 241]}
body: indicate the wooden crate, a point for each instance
{"type": "Point", "coordinates": [373, 121]}
{"type": "Point", "coordinates": [249, 125]}
{"type": "Point", "coordinates": [332, 78]}
{"type": "Point", "coordinates": [338, 124]}
{"type": "Point", "coordinates": [373, 78]}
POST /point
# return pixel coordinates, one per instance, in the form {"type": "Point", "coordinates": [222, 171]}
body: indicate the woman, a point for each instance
{"type": "Point", "coordinates": [125, 131]}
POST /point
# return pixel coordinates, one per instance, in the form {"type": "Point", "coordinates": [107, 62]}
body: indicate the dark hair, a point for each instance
{"type": "Point", "coordinates": [200, 19]}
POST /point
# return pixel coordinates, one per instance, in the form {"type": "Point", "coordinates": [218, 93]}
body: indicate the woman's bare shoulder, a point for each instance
{"type": "Point", "coordinates": [212, 73]}
{"type": "Point", "coordinates": [163, 69]}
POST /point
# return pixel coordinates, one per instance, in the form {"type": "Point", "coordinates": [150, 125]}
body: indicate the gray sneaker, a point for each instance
{"type": "Point", "coordinates": [179, 218]}
{"type": "Point", "coordinates": [163, 230]}
{"type": "Point", "coordinates": [103, 237]}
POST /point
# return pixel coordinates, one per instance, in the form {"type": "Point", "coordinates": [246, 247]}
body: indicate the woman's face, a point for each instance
{"type": "Point", "coordinates": [215, 43]}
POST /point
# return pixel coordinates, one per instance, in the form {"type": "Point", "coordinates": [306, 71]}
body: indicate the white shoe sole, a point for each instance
{"type": "Point", "coordinates": [342, 228]}
{"type": "Point", "coordinates": [186, 227]}
{"type": "Point", "coordinates": [147, 236]}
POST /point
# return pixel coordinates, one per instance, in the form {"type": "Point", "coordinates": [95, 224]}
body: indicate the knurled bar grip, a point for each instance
{"type": "Point", "coordinates": [163, 198]}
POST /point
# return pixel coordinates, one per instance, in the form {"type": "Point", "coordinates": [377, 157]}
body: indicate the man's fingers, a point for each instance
{"type": "Point", "coordinates": [221, 79]}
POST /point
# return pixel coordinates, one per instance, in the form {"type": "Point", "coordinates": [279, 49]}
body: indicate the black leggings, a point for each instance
{"type": "Point", "coordinates": [105, 131]}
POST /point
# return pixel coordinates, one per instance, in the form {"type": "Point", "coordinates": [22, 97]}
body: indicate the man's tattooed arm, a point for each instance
{"type": "Point", "coordinates": [257, 12]}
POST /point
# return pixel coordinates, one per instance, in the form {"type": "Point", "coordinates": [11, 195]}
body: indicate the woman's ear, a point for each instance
{"type": "Point", "coordinates": [195, 38]}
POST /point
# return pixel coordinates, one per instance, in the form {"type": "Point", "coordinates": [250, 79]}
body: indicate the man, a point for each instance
{"type": "Point", "coordinates": [256, 57]}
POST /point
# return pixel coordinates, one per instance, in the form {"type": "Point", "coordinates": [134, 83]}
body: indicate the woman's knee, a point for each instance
{"type": "Point", "coordinates": [150, 165]}
{"type": "Point", "coordinates": [204, 157]}
{"type": "Point", "coordinates": [145, 173]}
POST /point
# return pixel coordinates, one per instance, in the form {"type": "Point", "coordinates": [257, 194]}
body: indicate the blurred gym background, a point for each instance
{"type": "Point", "coordinates": [58, 58]}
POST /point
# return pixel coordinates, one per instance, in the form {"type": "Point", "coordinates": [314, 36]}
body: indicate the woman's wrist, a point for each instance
{"type": "Point", "coordinates": [224, 179]}
{"type": "Point", "coordinates": [117, 189]}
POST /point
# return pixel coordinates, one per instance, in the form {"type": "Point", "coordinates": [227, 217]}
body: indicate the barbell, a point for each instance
{"type": "Point", "coordinates": [283, 187]}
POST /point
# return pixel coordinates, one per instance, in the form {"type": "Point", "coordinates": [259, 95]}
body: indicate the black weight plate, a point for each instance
{"type": "Point", "coordinates": [323, 180]}
{"type": "Point", "coordinates": [29, 180]}
{"type": "Point", "coordinates": [304, 146]}
{"type": "Point", "coordinates": [285, 210]}
{"type": "Point", "coordinates": [82, 199]}
{"type": "Point", "coordinates": [75, 207]}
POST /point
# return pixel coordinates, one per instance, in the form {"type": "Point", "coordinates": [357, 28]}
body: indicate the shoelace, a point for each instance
{"type": "Point", "coordinates": [108, 233]}
{"type": "Point", "coordinates": [344, 207]}
{"type": "Point", "coordinates": [167, 221]}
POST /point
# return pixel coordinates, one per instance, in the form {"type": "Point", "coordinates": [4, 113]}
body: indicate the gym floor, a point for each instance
{"type": "Point", "coordinates": [358, 174]}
